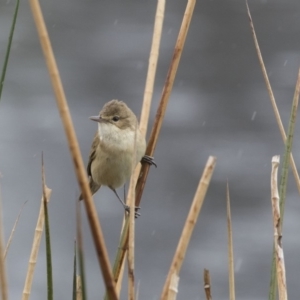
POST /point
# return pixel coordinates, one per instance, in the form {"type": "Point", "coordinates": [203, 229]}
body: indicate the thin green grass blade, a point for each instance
{"type": "Point", "coordinates": [74, 274]}
{"type": "Point", "coordinates": [120, 252]}
{"type": "Point", "coordinates": [48, 254]}
{"type": "Point", "coordinates": [284, 179]}
{"type": "Point", "coordinates": [288, 150]}
{"type": "Point", "coordinates": [82, 273]}
{"type": "Point", "coordinates": [12, 29]}
{"type": "Point", "coordinates": [47, 238]}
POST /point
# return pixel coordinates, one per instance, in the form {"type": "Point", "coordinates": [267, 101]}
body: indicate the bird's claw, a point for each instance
{"type": "Point", "coordinates": [136, 212]}
{"type": "Point", "coordinates": [149, 160]}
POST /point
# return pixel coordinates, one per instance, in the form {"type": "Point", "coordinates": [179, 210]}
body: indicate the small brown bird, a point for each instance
{"type": "Point", "coordinates": [112, 152]}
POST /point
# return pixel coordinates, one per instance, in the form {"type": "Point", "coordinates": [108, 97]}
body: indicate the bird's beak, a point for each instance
{"type": "Point", "coordinates": [96, 118]}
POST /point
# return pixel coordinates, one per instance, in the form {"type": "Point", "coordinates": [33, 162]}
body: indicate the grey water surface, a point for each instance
{"type": "Point", "coordinates": [219, 106]}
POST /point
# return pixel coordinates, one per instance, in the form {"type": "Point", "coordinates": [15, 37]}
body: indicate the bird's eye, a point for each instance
{"type": "Point", "coordinates": [116, 118]}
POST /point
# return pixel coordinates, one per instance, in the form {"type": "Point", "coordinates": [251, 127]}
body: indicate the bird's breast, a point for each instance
{"type": "Point", "coordinates": [112, 165]}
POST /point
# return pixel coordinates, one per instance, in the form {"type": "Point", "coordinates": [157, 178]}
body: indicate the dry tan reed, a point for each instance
{"type": "Point", "coordinates": [230, 249]}
{"type": "Point", "coordinates": [152, 65]}
{"type": "Point", "coordinates": [35, 247]}
{"type": "Point", "coordinates": [272, 98]}
{"type": "Point", "coordinates": [280, 265]}
{"type": "Point", "coordinates": [173, 288]}
{"type": "Point", "coordinates": [157, 126]}
{"type": "Point", "coordinates": [120, 278]}
{"type": "Point", "coordinates": [78, 288]}
{"type": "Point", "coordinates": [130, 200]}
{"type": "Point", "coordinates": [13, 231]}
{"type": "Point", "coordinates": [207, 285]}
{"type": "Point", "coordinates": [74, 150]}
{"type": "Point", "coordinates": [190, 223]}
{"type": "Point", "coordinates": [165, 95]}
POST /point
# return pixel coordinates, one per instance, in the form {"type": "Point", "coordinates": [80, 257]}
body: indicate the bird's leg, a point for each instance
{"type": "Point", "coordinates": [149, 160]}
{"type": "Point", "coordinates": [126, 207]}
{"type": "Point", "coordinates": [123, 203]}
{"type": "Point", "coordinates": [124, 190]}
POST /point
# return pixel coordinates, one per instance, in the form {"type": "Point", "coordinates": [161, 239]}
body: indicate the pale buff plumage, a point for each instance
{"type": "Point", "coordinates": [112, 151]}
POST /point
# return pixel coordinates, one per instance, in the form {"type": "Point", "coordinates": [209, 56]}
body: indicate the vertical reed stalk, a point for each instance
{"type": "Point", "coordinates": [94, 223]}
{"type": "Point", "coordinates": [272, 98]}
{"type": "Point", "coordinates": [279, 256]}
{"type": "Point", "coordinates": [207, 284]}
{"type": "Point", "coordinates": [190, 223]}
{"type": "Point", "coordinates": [35, 247]}
{"type": "Point", "coordinates": [230, 250]}
{"type": "Point", "coordinates": [156, 128]}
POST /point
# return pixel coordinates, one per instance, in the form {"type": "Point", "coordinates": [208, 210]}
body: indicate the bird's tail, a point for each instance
{"type": "Point", "coordinates": [93, 186]}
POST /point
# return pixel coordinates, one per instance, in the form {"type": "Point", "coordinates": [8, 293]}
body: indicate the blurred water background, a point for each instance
{"type": "Point", "coordinates": [219, 106]}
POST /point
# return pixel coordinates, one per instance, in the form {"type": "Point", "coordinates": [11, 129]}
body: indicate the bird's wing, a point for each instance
{"type": "Point", "coordinates": [93, 186]}
{"type": "Point", "coordinates": [92, 155]}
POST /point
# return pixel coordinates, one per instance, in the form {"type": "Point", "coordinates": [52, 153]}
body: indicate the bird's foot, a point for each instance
{"type": "Point", "coordinates": [136, 210]}
{"type": "Point", "coordinates": [149, 160]}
